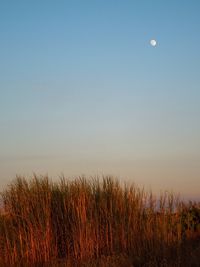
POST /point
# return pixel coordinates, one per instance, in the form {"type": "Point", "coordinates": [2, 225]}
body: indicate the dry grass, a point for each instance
{"type": "Point", "coordinates": [96, 222]}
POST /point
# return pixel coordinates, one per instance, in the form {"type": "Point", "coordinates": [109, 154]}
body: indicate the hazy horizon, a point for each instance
{"type": "Point", "coordinates": [82, 91]}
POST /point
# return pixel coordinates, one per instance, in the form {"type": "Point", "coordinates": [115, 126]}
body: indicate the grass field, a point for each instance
{"type": "Point", "coordinates": [95, 222]}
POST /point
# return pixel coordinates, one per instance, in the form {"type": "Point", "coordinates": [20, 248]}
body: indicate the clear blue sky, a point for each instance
{"type": "Point", "coordinates": [83, 92]}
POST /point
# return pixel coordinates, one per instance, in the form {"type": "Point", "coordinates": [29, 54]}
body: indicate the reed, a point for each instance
{"type": "Point", "coordinates": [87, 220]}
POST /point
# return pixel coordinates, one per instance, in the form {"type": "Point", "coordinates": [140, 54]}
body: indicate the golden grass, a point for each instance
{"type": "Point", "coordinates": [96, 222]}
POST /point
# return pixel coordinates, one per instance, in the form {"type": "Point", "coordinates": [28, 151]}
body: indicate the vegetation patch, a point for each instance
{"type": "Point", "coordinates": [95, 222]}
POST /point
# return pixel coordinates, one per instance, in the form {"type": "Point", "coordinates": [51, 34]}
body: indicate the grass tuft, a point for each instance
{"type": "Point", "coordinates": [95, 222]}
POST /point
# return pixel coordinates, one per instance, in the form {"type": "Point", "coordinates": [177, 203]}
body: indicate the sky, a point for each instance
{"type": "Point", "coordinates": [82, 91]}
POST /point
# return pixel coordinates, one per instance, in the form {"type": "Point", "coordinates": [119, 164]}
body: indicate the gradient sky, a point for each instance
{"type": "Point", "coordinates": [83, 92]}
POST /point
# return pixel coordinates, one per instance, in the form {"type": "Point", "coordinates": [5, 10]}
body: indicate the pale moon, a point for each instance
{"type": "Point", "coordinates": [153, 42]}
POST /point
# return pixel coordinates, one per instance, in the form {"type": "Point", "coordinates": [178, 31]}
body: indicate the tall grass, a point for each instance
{"type": "Point", "coordinates": [85, 220]}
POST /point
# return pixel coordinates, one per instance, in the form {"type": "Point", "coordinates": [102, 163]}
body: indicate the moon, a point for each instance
{"type": "Point", "coordinates": [153, 42]}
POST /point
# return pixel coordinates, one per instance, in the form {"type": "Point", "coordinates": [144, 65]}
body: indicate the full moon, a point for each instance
{"type": "Point", "coordinates": [153, 42]}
